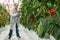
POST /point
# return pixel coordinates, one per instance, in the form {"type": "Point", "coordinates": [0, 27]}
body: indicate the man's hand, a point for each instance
{"type": "Point", "coordinates": [18, 15]}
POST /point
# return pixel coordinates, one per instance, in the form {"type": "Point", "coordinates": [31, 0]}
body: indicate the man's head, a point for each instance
{"type": "Point", "coordinates": [15, 5]}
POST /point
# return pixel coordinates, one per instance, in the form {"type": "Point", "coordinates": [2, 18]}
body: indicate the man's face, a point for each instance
{"type": "Point", "coordinates": [15, 5]}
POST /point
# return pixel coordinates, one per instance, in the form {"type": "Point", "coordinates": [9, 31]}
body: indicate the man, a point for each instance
{"type": "Point", "coordinates": [14, 19]}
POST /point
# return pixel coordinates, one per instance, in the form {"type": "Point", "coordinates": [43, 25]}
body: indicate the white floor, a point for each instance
{"type": "Point", "coordinates": [24, 33]}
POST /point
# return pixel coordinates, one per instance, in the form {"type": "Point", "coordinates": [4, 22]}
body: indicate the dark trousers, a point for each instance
{"type": "Point", "coordinates": [11, 31]}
